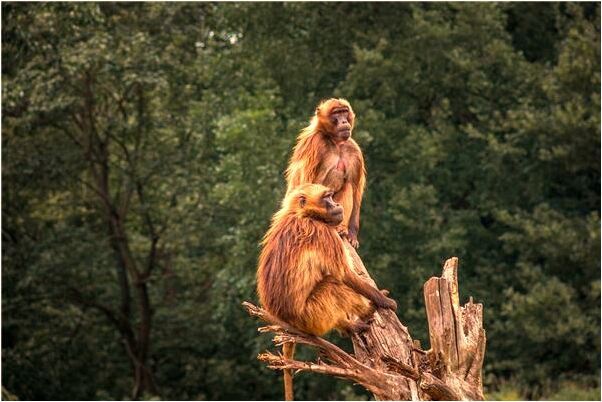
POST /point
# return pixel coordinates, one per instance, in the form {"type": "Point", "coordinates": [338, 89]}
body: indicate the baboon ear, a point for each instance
{"type": "Point", "coordinates": [302, 201]}
{"type": "Point", "coordinates": [317, 111]}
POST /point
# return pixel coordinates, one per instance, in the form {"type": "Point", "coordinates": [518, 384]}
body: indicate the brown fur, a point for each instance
{"type": "Point", "coordinates": [305, 274]}
{"type": "Point", "coordinates": [316, 157]}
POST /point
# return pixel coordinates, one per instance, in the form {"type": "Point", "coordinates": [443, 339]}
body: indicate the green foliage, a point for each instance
{"type": "Point", "coordinates": [480, 126]}
{"type": "Point", "coordinates": [564, 391]}
{"type": "Point", "coordinates": [575, 392]}
{"type": "Point", "coordinates": [505, 392]}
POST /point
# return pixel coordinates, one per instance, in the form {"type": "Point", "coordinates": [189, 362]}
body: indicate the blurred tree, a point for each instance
{"type": "Point", "coordinates": [92, 108]}
{"type": "Point", "coordinates": [143, 148]}
{"type": "Point", "coordinates": [474, 151]}
{"type": "Point", "coordinates": [553, 235]}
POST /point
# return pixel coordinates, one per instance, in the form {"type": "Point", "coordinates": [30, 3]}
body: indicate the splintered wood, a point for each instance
{"type": "Point", "coordinates": [456, 334]}
{"type": "Point", "coordinates": [386, 361]}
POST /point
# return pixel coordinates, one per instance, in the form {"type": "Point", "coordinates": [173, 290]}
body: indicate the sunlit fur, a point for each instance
{"type": "Point", "coordinates": [303, 265]}
{"type": "Point", "coordinates": [315, 159]}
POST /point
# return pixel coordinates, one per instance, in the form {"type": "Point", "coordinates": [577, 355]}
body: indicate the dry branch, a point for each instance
{"type": "Point", "coordinates": [386, 361]}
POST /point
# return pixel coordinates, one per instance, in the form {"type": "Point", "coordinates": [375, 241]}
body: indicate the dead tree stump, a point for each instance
{"type": "Point", "coordinates": [386, 361]}
{"type": "Point", "coordinates": [456, 334]}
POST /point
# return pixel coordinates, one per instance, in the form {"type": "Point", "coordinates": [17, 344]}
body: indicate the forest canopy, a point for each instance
{"type": "Point", "coordinates": [143, 151]}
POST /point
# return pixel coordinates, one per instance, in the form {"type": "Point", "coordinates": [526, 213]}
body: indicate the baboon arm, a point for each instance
{"type": "Point", "coordinates": [366, 290]}
{"type": "Point", "coordinates": [358, 192]}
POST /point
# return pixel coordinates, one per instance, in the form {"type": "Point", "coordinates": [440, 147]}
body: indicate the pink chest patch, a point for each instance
{"type": "Point", "coordinates": [341, 164]}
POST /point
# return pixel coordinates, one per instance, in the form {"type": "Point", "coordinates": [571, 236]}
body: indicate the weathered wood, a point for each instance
{"type": "Point", "coordinates": [386, 339]}
{"type": "Point", "coordinates": [456, 334]}
{"type": "Point", "coordinates": [334, 361]}
{"type": "Point", "coordinates": [386, 360]}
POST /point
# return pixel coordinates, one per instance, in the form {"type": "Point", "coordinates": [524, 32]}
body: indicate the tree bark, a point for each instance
{"type": "Point", "coordinates": [456, 334]}
{"type": "Point", "coordinates": [386, 361]}
{"type": "Point", "coordinates": [132, 276]}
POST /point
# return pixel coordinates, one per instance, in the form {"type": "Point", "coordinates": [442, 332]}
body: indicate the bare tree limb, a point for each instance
{"type": "Point", "coordinates": [387, 362]}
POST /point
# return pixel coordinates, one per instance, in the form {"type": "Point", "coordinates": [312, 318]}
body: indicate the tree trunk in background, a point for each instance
{"type": "Point", "coordinates": [456, 334]}
{"type": "Point", "coordinates": [391, 365]}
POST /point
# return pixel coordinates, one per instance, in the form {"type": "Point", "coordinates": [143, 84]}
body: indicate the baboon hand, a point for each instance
{"type": "Point", "coordinates": [343, 232]}
{"type": "Point", "coordinates": [388, 303]}
{"type": "Point", "coordinates": [352, 237]}
{"type": "Point", "coordinates": [360, 326]}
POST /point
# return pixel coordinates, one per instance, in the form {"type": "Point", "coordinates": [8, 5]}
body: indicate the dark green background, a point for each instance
{"type": "Point", "coordinates": [480, 124]}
